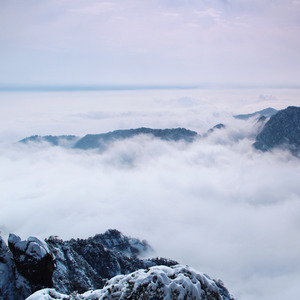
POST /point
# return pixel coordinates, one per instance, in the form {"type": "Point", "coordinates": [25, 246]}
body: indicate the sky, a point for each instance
{"type": "Point", "coordinates": [159, 42]}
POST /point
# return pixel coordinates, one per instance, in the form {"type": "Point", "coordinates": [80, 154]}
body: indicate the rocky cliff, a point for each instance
{"type": "Point", "coordinates": [68, 266]}
{"type": "Point", "coordinates": [282, 130]}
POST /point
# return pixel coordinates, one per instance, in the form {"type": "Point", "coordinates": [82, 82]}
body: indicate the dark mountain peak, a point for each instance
{"type": "Point", "coordinates": [267, 112]}
{"type": "Point", "coordinates": [102, 140]}
{"type": "Point", "coordinates": [216, 127]}
{"type": "Point", "coordinates": [114, 240]}
{"type": "Point", "coordinates": [282, 130]}
{"type": "Point", "coordinates": [219, 126]}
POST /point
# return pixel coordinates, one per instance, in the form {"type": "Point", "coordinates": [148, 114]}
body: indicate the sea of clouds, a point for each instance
{"type": "Point", "coordinates": [216, 204]}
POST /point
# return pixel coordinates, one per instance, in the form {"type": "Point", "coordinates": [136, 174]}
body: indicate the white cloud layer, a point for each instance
{"type": "Point", "coordinates": [216, 204]}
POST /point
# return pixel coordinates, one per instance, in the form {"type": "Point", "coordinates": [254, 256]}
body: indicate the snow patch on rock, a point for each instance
{"type": "Point", "coordinates": [158, 282]}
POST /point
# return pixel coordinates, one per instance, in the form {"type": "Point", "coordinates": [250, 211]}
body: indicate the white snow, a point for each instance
{"type": "Point", "coordinates": [176, 282]}
{"type": "Point", "coordinates": [47, 294]}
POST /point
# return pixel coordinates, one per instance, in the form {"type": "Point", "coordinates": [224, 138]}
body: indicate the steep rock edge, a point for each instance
{"type": "Point", "coordinates": [282, 130]}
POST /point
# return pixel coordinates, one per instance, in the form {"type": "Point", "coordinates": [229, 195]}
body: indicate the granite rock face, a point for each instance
{"type": "Point", "coordinates": [26, 266]}
{"type": "Point", "coordinates": [68, 266]}
{"type": "Point", "coordinates": [33, 260]}
{"type": "Point", "coordinates": [282, 130]}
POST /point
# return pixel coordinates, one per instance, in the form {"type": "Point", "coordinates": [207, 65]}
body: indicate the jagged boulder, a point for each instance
{"type": "Point", "coordinates": [156, 283]}
{"type": "Point", "coordinates": [33, 260]}
{"type": "Point", "coordinates": [13, 286]}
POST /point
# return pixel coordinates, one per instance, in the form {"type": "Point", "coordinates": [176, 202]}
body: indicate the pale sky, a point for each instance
{"type": "Point", "coordinates": [161, 42]}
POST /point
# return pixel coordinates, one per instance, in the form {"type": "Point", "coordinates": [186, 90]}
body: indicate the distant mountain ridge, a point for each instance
{"type": "Point", "coordinates": [276, 129]}
{"type": "Point", "coordinates": [51, 139]}
{"type": "Point", "coordinates": [92, 141]}
{"type": "Point", "coordinates": [267, 112]}
{"type": "Point", "coordinates": [102, 140]}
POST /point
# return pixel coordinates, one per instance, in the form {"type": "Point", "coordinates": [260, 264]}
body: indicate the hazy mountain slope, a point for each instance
{"type": "Point", "coordinates": [60, 140]}
{"type": "Point", "coordinates": [282, 130]}
{"type": "Point", "coordinates": [267, 112]}
{"type": "Point", "coordinates": [103, 140]}
{"type": "Point", "coordinates": [92, 141]}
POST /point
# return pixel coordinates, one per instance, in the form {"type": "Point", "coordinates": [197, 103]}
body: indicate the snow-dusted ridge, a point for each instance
{"type": "Point", "coordinates": [158, 282]}
{"type": "Point", "coordinates": [106, 266]}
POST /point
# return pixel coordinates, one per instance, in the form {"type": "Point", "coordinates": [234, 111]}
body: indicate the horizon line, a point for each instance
{"type": "Point", "coordinates": [131, 87]}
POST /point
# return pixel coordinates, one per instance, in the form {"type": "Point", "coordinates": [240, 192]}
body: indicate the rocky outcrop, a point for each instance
{"type": "Point", "coordinates": [25, 267]}
{"type": "Point", "coordinates": [105, 266]}
{"type": "Point", "coordinates": [85, 264]}
{"type": "Point", "coordinates": [282, 130]}
{"type": "Point", "coordinates": [160, 282]}
{"type": "Point", "coordinates": [68, 266]}
{"type": "Point", "coordinates": [33, 260]}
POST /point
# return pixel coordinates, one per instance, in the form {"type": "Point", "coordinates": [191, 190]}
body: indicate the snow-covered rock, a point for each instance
{"type": "Point", "coordinates": [160, 282]}
{"type": "Point", "coordinates": [12, 284]}
{"type": "Point", "coordinates": [33, 260]}
{"type": "Point", "coordinates": [85, 264]}
{"type": "Point", "coordinates": [106, 266]}
{"type": "Point", "coordinates": [75, 265]}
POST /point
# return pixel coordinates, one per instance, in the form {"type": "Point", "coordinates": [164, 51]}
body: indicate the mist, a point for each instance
{"type": "Point", "coordinates": [215, 204]}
